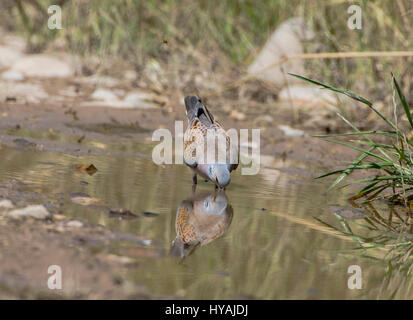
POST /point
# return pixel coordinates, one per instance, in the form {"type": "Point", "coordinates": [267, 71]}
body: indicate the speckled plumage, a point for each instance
{"type": "Point", "coordinates": [200, 220]}
{"type": "Point", "coordinates": [203, 126]}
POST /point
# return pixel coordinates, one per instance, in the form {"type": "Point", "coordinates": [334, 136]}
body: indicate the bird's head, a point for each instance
{"type": "Point", "coordinates": [219, 174]}
{"type": "Point", "coordinates": [215, 203]}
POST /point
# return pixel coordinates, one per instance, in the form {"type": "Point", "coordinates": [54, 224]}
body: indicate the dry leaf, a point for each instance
{"type": "Point", "coordinates": [89, 169]}
{"type": "Point", "coordinates": [84, 199]}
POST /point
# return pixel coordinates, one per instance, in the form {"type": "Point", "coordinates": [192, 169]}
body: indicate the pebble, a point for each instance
{"type": "Point", "coordinates": [75, 224]}
{"type": "Point", "coordinates": [12, 75]}
{"type": "Point", "coordinates": [237, 115]}
{"type": "Point", "coordinates": [291, 132]}
{"type": "Point", "coordinates": [104, 94]}
{"type": "Point", "coordinates": [42, 66]}
{"type": "Point", "coordinates": [33, 211]}
{"type": "Point", "coordinates": [139, 100]}
{"type": "Point", "coordinates": [7, 204]}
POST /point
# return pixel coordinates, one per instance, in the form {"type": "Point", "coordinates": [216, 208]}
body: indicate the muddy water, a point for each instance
{"type": "Point", "coordinates": [259, 240]}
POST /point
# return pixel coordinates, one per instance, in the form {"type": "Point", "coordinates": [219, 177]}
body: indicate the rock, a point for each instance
{"type": "Point", "coordinates": [290, 132]}
{"type": "Point", "coordinates": [139, 100]}
{"type": "Point", "coordinates": [263, 120]}
{"type": "Point", "coordinates": [204, 81]}
{"type": "Point", "coordinates": [112, 258]}
{"type": "Point", "coordinates": [307, 96]}
{"type": "Point", "coordinates": [84, 199]}
{"type": "Point", "coordinates": [14, 42]}
{"type": "Point", "coordinates": [99, 80]}
{"type": "Point", "coordinates": [33, 211]}
{"type": "Point", "coordinates": [286, 40]}
{"type": "Point", "coordinates": [155, 74]}
{"type": "Point", "coordinates": [6, 204]}
{"type": "Point", "coordinates": [105, 95]}
{"type": "Point", "coordinates": [227, 108]}
{"type": "Point", "coordinates": [25, 144]}
{"type": "Point", "coordinates": [12, 75]}
{"type": "Point", "coordinates": [8, 55]}
{"type": "Point", "coordinates": [237, 115]}
{"type": "Point", "coordinates": [122, 213]}
{"type": "Point", "coordinates": [74, 224]}
{"type": "Point", "coordinates": [43, 66]}
{"type": "Point", "coordinates": [28, 92]}
{"type": "Point", "coordinates": [130, 75]}
{"type": "Point", "coordinates": [109, 98]}
{"type": "Point", "coordinates": [322, 122]}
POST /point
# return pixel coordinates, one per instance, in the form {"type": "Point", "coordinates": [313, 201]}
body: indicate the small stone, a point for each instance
{"type": "Point", "coordinates": [75, 224]}
{"type": "Point", "coordinates": [33, 211]}
{"type": "Point", "coordinates": [104, 94]}
{"type": "Point", "coordinates": [237, 115]}
{"type": "Point", "coordinates": [8, 56]}
{"type": "Point", "coordinates": [84, 199]}
{"type": "Point", "coordinates": [24, 143]}
{"type": "Point", "coordinates": [139, 100]}
{"type": "Point", "coordinates": [42, 66]}
{"type": "Point", "coordinates": [6, 204]}
{"type": "Point", "coordinates": [130, 75]}
{"type": "Point", "coordinates": [290, 132]}
{"type": "Point", "coordinates": [226, 108]}
{"type": "Point", "coordinates": [265, 119]}
{"type": "Point", "coordinates": [28, 92]}
{"type": "Point", "coordinates": [12, 75]}
{"type": "Point", "coordinates": [146, 242]}
{"type": "Point", "coordinates": [122, 213]}
{"type": "Point", "coordinates": [57, 216]}
{"type": "Point", "coordinates": [118, 259]}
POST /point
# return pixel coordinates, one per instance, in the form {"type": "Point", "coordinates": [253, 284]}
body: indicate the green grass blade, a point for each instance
{"type": "Point", "coordinates": [347, 93]}
{"type": "Point", "coordinates": [403, 101]}
{"type": "Point", "coordinates": [348, 171]}
{"type": "Point", "coordinates": [367, 152]}
{"type": "Point", "coordinates": [388, 133]}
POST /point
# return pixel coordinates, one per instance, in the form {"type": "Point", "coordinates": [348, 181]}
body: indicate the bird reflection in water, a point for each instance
{"type": "Point", "coordinates": [200, 219]}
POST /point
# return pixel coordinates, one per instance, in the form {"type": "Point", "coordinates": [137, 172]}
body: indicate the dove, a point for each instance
{"type": "Point", "coordinates": [201, 127]}
{"type": "Point", "coordinates": [200, 219]}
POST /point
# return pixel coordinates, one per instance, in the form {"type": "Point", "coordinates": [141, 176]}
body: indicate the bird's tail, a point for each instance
{"type": "Point", "coordinates": [195, 109]}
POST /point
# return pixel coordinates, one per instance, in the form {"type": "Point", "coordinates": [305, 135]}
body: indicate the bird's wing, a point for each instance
{"type": "Point", "coordinates": [230, 147]}
{"type": "Point", "coordinates": [194, 136]}
{"type": "Point", "coordinates": [200, 122]}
